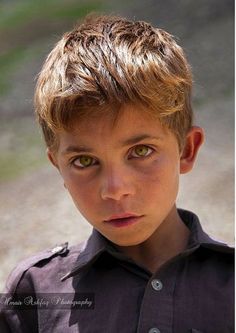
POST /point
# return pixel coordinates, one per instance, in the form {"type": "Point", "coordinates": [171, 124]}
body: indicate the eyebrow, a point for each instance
{"type": "Point", "coordinates": [77, 149]}
{"type": "Point", "coordinates": [137, 138]}
{"type": "Point", "coordinates": [130, 141]}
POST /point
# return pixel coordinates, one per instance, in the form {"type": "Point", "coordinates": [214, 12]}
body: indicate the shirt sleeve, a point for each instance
{"type": "Point", "coordinates": [13, 318]}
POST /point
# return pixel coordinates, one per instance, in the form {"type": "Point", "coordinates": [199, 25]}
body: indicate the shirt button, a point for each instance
{"type": "Point", "coordinates": [154, 330]}
{"type": "Point", "coordinates": [157, 284]}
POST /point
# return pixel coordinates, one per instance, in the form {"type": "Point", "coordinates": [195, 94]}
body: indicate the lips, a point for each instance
{"type": "Point", "coordinates": [122, 220]}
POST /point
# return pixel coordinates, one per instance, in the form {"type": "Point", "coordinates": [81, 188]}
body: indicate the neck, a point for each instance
{"type": "Point", "coordinates": [169, 239]}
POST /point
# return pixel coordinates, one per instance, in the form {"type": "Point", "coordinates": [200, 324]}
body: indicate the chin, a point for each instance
{"type": "Point", "coordinates": [128, 241]}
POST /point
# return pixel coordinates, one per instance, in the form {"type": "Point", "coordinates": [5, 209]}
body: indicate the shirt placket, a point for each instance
{"type": "Point", "coordinates": [156, 313]}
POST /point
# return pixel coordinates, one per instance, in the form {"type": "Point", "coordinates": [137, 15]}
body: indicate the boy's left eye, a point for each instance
{"type": "Point", "coordinates": [141, 151]}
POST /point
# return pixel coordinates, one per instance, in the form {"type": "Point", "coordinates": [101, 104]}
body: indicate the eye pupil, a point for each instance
{"type": "Point", "coordinates": [141, 151]}
{"type": "Point", "coordinates": [85, 160]}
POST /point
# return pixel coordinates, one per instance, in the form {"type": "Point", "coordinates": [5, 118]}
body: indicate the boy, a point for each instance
{"type": "Point", "coordinates": [114, 103]}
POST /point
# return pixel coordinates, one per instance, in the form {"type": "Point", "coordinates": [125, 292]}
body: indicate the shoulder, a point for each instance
{"type": "Point", "coordinates": [219, 249]}
{"type": "Point", "coordinates": [49, 264]}
{"type": "Point", "coordinates": [217, 258]}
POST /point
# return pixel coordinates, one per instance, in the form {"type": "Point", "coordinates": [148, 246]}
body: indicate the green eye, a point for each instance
{"type": "Point", "coordinates": [142, 151]}
{"type": "Point", "coordinates": [84, 161]}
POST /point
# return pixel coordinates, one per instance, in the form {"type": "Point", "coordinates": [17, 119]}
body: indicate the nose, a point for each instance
{"type": "Point", "coordinates": [117, 183]}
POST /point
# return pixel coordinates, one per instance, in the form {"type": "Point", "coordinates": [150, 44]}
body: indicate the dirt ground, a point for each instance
{"type": "Point", "coordinates": [37, 212]}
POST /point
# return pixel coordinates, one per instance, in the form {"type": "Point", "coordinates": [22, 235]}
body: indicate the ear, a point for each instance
{"type": "Point", "coordinates": [52, 158]}
{"type": "Point", "coordinates": [193, 142]}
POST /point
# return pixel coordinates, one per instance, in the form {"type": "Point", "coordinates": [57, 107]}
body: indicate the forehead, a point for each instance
{"type": "Point", "coordinates": [104, 131]}
{"type": "Point", "coordinates": [128, 119]}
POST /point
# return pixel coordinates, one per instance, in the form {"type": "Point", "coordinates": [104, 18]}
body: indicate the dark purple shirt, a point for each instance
{"type": "Point", "coordinates": [99, 290]}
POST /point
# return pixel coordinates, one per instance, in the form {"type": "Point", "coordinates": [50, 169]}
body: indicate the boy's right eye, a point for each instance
{"type": "Point", "coordinates": [84, 161]}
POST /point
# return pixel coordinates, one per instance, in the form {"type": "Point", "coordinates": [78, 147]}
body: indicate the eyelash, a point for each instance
{"type": "Point", "coordinates": [95, 162]}
{"type": "Point", "coordinates": [150, 151]}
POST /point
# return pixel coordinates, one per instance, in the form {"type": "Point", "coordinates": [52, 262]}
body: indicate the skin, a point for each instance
{"type": "Point", "coordinates": [130, 166]}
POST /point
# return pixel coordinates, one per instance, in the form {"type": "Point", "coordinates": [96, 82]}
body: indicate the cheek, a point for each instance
{"type": "Point", "coordinates": [160, 180]}
{"type": "Point", "coordinates": [84, 199]}
{"type": "Point", "coordinates": [80, 189]}
{"type": "Point", "coordinates": [161, 170]}
{"type": "Point", "coordinates": [165, 185]}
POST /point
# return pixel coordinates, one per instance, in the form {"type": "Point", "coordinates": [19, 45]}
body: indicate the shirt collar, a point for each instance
{"type": "Point", "coordinates": [97, 244]}
{"type": "Point", "coordinates": [198, 237]}
{"type": "Point", "coordinates": [91, 250]}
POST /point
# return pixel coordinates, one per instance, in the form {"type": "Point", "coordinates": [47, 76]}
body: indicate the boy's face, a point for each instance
{"type": "Point", "coordinates": [122, 176]}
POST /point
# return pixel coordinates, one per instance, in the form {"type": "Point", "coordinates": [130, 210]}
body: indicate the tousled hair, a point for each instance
{"type": "Point", "coordinates": [106, 62]}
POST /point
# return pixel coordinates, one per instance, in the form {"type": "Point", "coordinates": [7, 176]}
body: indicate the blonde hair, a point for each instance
{"type": "Point", "coordinates": [106, 62]}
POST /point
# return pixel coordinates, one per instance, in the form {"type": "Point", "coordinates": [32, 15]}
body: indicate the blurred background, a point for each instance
{"type": "Point", "coordinates": [35, 209]}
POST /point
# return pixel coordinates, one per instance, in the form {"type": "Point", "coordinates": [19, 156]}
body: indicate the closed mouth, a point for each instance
{"type": "Point", "coordinates": [123, 220]}
{"type": "Point", "coordinates": [121, 216]}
